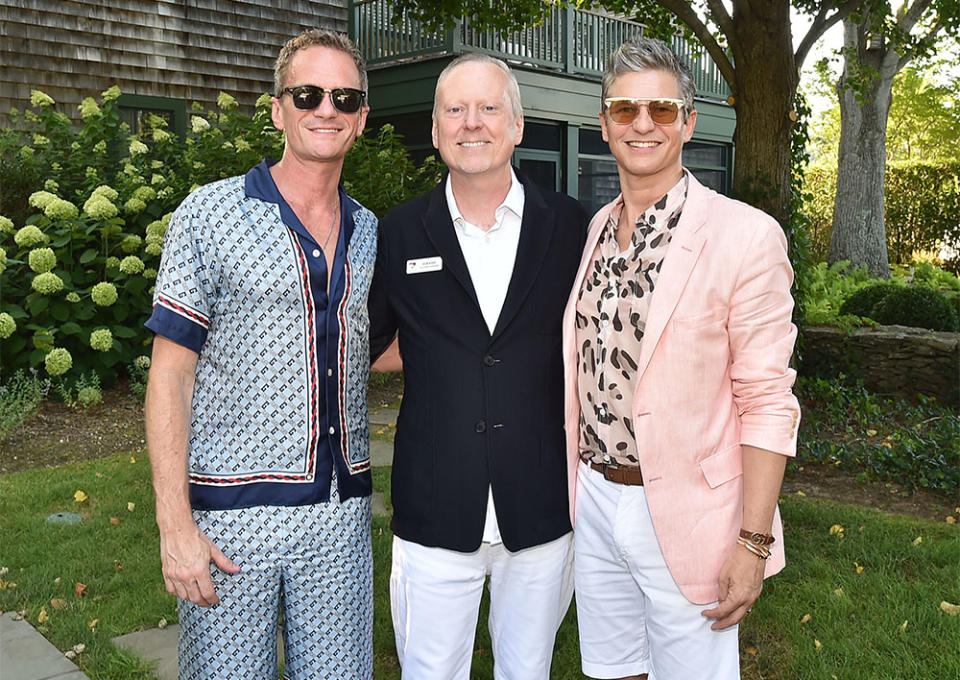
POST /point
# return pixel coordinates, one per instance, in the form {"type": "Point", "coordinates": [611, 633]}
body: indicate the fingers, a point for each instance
{"type": "Point", "coordinates": [223, 562]}
{"type": "Point", "coordinates": [193, 585]}
{"type": "Point", "coordinates": [186, 561]}
{"type": "Point", "coordinates": [725, 620]}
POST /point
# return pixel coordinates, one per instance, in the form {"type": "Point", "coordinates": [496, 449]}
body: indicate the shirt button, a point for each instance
{"type": "Point", "coordinates": [332, 430]}
{"type": "Point", "coordinates": [481, 426]}
{"type": "Point", "coordinates": [605, 323]}
{"type": "Point", "coordinates": [329, 371]}
{"type": "Point", "coordinates": [316, 252]}
{"type": "Point", "coordinates": [489, 360]}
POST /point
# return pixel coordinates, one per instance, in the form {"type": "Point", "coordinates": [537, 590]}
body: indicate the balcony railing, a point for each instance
{"type": "Point", "coordinates": [567, 40]}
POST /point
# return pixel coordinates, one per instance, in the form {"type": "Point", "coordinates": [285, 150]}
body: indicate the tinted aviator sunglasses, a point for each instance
{"type": "Point", "coordinates": [308, 97]}
{"type": "Point", "coordinates": [625, 110]}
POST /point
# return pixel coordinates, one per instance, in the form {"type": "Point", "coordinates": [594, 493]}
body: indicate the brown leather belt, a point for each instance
{"type": "Point", "coordinates": [619, 474]}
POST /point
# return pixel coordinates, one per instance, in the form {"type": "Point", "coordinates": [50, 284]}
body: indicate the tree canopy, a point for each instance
{"type": "Point", "coordinates": [752, 45]}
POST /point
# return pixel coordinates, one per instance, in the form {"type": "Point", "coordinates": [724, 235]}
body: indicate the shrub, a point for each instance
{"type": "Point", "coordinates": [84, 208]}
{"type": "Point", "coordinates": [922, 209]}
{"type": "Point", "coordinates": [916, 306]}
{"type": "Point", "coordinates": [917, 445]}
{"type": "Point", "coordinates": [20, 395]}
{"type": "Point", "coordinates": [862, 302]}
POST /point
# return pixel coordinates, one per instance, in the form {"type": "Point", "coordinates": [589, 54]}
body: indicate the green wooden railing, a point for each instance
{"type": "Point", "coordinates": [567, 40]}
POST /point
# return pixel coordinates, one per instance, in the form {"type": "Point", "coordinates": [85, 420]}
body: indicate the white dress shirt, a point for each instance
{"type": "Point", "coordinates": [490, 255]}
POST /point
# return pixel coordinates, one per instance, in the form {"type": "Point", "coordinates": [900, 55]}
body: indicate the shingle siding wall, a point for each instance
{"type": "Point", "coordinates": [183, 49]}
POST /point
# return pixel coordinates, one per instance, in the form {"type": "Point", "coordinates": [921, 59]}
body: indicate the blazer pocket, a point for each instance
{"type": "Point", "coordinates": [722, 466]}
{"type": "Point", "coordinates": [716, 315]}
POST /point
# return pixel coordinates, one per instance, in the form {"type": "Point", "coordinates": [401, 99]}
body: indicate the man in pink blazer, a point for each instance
{"type": "Point", "coordinates": [679, 410]}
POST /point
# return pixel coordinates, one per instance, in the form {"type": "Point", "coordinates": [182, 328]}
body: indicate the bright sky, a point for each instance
{"type": "Point", "coordinates": [828, 44]}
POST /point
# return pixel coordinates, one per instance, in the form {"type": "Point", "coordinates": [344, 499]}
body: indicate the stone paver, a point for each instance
{"type": "Point", "coordinates": [381, 453]}
{"type": "Point", "coordinates": [156, 644]}
{"type": "Point", "coordinates": [383, 416]}
{"type": "Point", "coordinates": [160, 645]}
{"type": "Point", "coordinates": [26, 655]}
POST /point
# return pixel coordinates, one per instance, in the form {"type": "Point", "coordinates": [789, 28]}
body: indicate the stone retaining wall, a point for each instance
{"type": "Point", "coordinates": [892, 360]}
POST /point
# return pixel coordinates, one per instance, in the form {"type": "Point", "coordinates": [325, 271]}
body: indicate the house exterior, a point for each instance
{"type": "Point", "coordinates": [166, 54]}
{"type": "Point", "coordinates": [163, 54]}
{"type": "Point", "coordinates": [558, 65]}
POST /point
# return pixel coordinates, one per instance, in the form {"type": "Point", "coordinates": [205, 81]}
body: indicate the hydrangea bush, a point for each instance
{"type": "Point", "coordinates": [85, 208]}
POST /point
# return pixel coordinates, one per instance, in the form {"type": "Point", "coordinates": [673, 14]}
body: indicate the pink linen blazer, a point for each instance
{"type": "Point", "coordinates": [713, 376]}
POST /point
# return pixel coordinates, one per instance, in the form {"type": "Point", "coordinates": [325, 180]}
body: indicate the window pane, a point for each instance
{"type": "Point", "coordinates": [710, 178]}
{"type": "Point", "coordinates": [591, 142]}
{"type": "Point", "coordinates": [543, 173]}
{"type": "Point", "coordinates": [696, 154]}
{"type": "Point", "coordinates": [599, 183]}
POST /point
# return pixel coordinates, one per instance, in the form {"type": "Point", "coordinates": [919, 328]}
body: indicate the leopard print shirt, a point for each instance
{"type": "Point", "coordinates": [611, 317]}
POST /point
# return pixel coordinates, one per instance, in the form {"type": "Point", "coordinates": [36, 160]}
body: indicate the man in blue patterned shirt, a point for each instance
{"type": "Point", "coordinates": [256, 404]}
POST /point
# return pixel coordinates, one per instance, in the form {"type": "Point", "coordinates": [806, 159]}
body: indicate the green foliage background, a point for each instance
{"type": "Point", "coordinates": [922, 209]}
{"type": "Point", "coordinates": [101, 194]}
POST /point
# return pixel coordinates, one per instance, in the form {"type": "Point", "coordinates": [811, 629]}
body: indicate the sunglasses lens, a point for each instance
{"type": "Point", "coordinates": [663, 113]}
{"type": "Point", "coordinates": [347, 100]}
{"type": "Point", "coordinates": [623, 111]}
{"type": "Point", "coordinates": [306, 98]}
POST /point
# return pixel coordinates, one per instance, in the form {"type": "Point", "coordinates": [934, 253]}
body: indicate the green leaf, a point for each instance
{"type": "Point", "coordinates": [60, 241]}
{"type": "Point", "coordinates": [70, 328]}
{"type": "Point", "coordinates": [37, 304]}
{"type": "Point", "coordinates": [16, 311]}
{"type": "Point", "coordinates": [123, 331]}
{"type": "Point", "coordinates": [60, 310]}
{"type": "Point", "coordinates": [84, 313]}
{"type": "Point", "coordinates": [89, 255]}
{"type": "Point", "coordinates": [14, 344]}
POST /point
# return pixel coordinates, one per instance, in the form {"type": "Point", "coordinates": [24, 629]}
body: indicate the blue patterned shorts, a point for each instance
{"type": "Point", "coordinates": [314, 564]}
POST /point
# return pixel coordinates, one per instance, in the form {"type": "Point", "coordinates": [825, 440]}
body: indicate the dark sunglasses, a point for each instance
{"type": "Point", "coordinates": [308, 97]}
{"type": "Point", "coordinates": [625, 110]}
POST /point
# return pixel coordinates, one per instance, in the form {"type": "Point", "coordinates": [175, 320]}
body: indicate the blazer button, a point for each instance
{"type": "Point", "coordinates": [489, 360]}
{"type": "Point", "coordinates": [481, 426]}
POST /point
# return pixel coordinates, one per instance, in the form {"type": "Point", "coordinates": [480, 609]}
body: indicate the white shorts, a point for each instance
{"type": "Point", "coordinates": [632, 617]}
{"type": "Point", "coordinates": [435, 599]}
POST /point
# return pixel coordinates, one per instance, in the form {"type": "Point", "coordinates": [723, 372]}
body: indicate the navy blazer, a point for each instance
{"type": "Point", "coordinates": [478, 409]}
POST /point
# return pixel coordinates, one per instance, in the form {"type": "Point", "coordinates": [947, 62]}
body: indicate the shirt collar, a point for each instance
{"type": "Point", "coordinates": [512, 202]}
{"type": "Point", "coordinates": [668, 204]}
{"type": "Point", "coordinates": [258, 183]}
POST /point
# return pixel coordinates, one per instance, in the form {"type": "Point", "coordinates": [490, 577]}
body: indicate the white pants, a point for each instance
{"type": "Point", "coordinates": [632, 617]}
{"type": "Point", "coordinates": [435, 599]}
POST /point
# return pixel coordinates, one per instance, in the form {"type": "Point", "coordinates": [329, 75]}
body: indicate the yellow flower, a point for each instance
{"type": "Point", "coordinates": [226, 102]}
{"type": "Point", "coordinates": [88, 107]}
{"type": "Point", "coordinates": [40, 99]}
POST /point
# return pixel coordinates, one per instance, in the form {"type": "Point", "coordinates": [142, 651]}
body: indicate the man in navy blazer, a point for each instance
{"type": "Point", "coordinates": [472, 279]}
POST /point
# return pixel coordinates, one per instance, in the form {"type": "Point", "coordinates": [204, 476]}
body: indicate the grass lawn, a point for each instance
{"type": "Point", "coordinates": [881, 621]}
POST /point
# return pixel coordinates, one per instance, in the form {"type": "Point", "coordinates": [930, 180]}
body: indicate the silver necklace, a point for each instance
{"type": "Point", "coordinates": [333, 224]}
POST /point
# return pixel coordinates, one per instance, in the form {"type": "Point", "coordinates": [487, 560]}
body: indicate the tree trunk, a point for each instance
{"type": "Point", "coordinates": [766, 82]}
{"type": "Point", "coordinates": [859, 232]}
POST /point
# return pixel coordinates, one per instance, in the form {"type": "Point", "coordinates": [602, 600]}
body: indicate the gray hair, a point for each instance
{"type": "Point", "coordinates": [513, 88]}
{"type": "Point", "coordinates": [316, 37]}
{"type": "Point", "coordinates": [649, 54]}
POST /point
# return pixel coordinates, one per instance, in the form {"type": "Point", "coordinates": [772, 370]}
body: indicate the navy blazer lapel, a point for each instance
{"type": "Point", "coordinates": [536, 229]}
{"type": "Point", "coordinates": [440, 232]}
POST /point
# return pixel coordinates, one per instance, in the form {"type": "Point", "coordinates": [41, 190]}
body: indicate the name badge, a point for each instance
{"type": "Point", "coordinates": [425, 264]}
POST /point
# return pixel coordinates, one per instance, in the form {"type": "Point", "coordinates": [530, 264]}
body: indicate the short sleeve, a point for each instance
{"type": "Point", "coordinates": [181, 299]}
